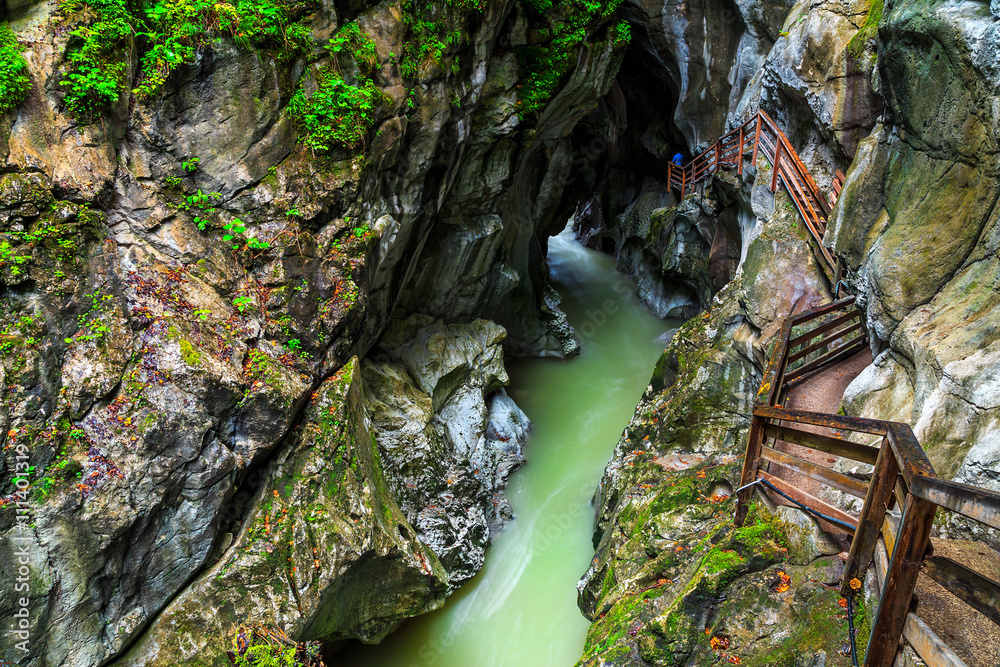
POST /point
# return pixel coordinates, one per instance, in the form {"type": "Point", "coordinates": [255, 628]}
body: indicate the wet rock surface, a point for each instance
{"type": "Point", "coordinates": [925, 266]}
{"type": "Point", "coordinates": [448, 433]}
{"type": "Point", "coordinates": [181, 277]}
{"type": "Point", "coordinates": [673, 581]}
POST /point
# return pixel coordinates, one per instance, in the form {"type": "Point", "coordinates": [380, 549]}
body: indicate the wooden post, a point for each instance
{"type": "Point", "coordinates": [718, 149]}
{"type": "Point", "coordinates": [670, 176]}
{"type": "Point", "coordinates": [751, 461]}
{"type": "Point", "coordinates": [756, 140]}
{"type": "Point", "coordinates": [897, 591]}
{"type": "Point", "coordinates": [777, 161]}
{"type": "Point", "coordinates": [872, 515]}
{"type": "Point", "coordinates": [683, 181]}
{"type": "Point", "coordinates": [739, 155]}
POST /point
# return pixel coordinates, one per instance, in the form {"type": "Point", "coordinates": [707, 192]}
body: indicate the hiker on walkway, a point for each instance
{"type": "Point", "coordinates": [678, 159]}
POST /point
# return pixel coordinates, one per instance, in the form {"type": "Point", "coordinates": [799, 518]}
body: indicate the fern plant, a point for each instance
{"type": "Point", "coordinates": [14, 81]}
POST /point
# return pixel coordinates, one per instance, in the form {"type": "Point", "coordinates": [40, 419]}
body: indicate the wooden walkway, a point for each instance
{"type": "Point", "coordinates": [760, 135]}
{"type": "Point", "coordinates": [929, 590]}
{"type": "Point", "coordinates": [953, 592]}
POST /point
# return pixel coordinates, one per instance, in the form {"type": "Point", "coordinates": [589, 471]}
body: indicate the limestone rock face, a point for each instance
{"type": "Point", "coordinates": [153, 372]}
{"type": "Point", "coordinates": [816, 83]}
{"type": "Point", "coordinates": [917, 227]}
{"type": "Point", "coordinates": [447, 431]}
{"type": "Point", "coordinates": [325, 552]}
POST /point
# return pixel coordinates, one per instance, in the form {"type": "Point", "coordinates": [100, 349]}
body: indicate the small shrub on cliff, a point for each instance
{"type": "Point", "coordinates": [173, 31]}
{"type": "Point", "coordinates": [269, 647]}
{"type": "Point", "coordinates": [177, 28]}
{"type": "Point", "coordinates": [543, 66]}
{"type": "Point", "coordinates": [14, 81]}
{"type": "Point", "coordinates": [339, 114]}
{"type": "Point", "coordinates": [350, 39]}
{"type": "Point", "coordinates": [98, 55]}
{"type": "Point", "coordinates": [433, 27]}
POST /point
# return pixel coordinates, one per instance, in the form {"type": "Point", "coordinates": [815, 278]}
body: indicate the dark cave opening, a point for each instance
{"type": "Point", "coordinates": [623, 147]}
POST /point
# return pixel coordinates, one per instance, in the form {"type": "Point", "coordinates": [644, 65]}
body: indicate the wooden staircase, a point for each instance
{"type": "Point", "coordinates": [760, 135]}
{"type": "Point", "coordinates": [900, 499]}
{"type": "Point", "coordinates": [903, 495]}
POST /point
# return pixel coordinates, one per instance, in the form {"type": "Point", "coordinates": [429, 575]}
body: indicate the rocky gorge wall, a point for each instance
{"type": "Point", "coordinates": [882, 90]}
{"type": "Point", "coordinates": [221, 329]}
{"type": "Point", "coordinates": [926, 263]}
{"type": "Point", "coordinates": [244, 367]}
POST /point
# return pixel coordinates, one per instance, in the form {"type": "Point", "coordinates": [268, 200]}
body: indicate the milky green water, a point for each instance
{"type": "Point", "coordinates": [520, 610]}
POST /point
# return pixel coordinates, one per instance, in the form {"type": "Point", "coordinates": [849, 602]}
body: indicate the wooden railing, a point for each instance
{"type": "Point", "coordinates": [761, 136]}
{"type": "Point", "coordinates": [902, 477]}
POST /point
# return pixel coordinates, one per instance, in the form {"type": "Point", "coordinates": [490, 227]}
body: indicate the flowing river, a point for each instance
{"type": "Point", "coordinates": [520, 610]}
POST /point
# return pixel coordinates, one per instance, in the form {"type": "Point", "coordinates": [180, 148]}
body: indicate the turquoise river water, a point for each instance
{"type": "Point", "coordinates": [520, 610]}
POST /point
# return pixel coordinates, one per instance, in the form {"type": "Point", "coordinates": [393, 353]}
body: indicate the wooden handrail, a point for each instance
{"type": "Point", "coordinates": [787, 167]}
{"type": "Point", "coordinates": [902, 473]}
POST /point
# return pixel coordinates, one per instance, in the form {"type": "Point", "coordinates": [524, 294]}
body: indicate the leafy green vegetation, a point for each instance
{"type": "Point", "coordinates": [176, 28]}
{"type": "Point", "coordinates": [433, 27]}
{"type": "Point", "coordinates": [99, 55]}
{"type": "Point", "coordinates": [173, 30]}
{"type": "Point", "coordinates": [544, 65]}
{"type": "Point", "coordinates": [14, 81]}
{"type": "Point", "coordinates": [340, 114]}
{"type": "Point", "coordinates": [337, 114]}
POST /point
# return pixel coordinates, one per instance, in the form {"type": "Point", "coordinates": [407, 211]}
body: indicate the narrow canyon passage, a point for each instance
{"type": "Point", "coordinates": [521, 609]}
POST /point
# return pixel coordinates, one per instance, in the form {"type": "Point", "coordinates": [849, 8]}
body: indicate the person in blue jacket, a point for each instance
{"type": "Point", "coordinates": [678, 159]}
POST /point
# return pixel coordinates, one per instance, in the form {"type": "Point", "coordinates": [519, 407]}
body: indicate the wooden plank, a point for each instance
{"type": "Point", "coordinates": [843, 448]}
{"type": "Point", "coordinates": [789, 175]}
{"type": "Point", "coordinates": [909, 453]}
{"type": "Point", "coordinates": [823, 310]}
{"type": "Point", "coordinates": [768, 148]}
{"type": "Point", "coordinates": [822, 329]}
{"type": "Point", "coordinates": [872, 515]}
{"type": "Point", "coordinates": [756, 139]}
{"type": "Point", "coordinates": [771, 382]}
{"type": "Point", "coordinates": [802, 213]}
{"type": "Point", "coordinates": [973, 502]}
{"type": "Point", "coordinates": [840, 422]}
{"type": "Point", "coordinates": [830, 261]}
{"type": "Point", "coordinates": [751, 461]}
{"type": "Point", "coordinates": [823, 342]}
{"type": "Point", "coordinates": [978, 591]}
{"type": "Point", "coordinates": [812, 502]}
{"type": "Point", "coordinates": [794, 156]}
{"type": "Point", "coordinates": [739, 155]}
{"type": "Point", "coordinates": [845, 483]}
{"type": "Point", "coordinates": [930, 648]}
{"type": "Point", "coordinates": [897, 591]}
{"type": "Point", "coordinates": [838, 353]}
{"type": "Point", "coordinates": [899, 492]}
{"type": "Point", "coordinates": [776, 163]}
{"type": "Point", "coordinates": [890, 528]}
